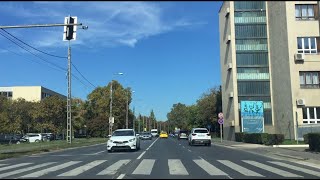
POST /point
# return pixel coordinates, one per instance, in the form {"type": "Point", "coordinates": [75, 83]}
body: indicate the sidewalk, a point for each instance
{"type": "Point", "coordinates": [295, 154]}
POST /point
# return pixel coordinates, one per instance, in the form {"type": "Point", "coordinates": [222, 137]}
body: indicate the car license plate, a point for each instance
{"type": "Point", "coordinates": [120, 144]}
{"type": "Point", "coordinates": [201, 135]}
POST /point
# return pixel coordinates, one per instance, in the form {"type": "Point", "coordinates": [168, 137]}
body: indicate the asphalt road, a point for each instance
{"type": "Point", "coordinates": [157, 158]}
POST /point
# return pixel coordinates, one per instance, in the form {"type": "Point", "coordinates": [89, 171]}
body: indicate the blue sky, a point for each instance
{"type": "Point", "coordinates": [168, 51]}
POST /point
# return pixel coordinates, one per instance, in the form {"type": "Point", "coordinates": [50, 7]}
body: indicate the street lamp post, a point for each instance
{"type": "Point", "coordinates": [111, 119]}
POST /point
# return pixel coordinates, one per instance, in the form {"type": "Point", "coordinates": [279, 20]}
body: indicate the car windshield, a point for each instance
{"type": "Point", "coordinates": [123, 133]}
{"type": "Point", "coordinates": [200, 131]}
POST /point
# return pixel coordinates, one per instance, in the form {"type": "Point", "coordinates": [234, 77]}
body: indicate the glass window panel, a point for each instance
{"type": "Point", "coordinates": [311, 112]}
{"type": "Point", "coordinates": [306, 43]}
{"type": "Point", "coordinates": [298, 12]}
{"type": "Point", "coordinates": [305, 113]}
{"type": "Point", "coordinates": [318, 112]}
{"type": "Point", "coordinates": [308, 78]}
{"type": "Point", "coordinates": [313, 43]}
{"type": "Point", "coordinates": [310, 11]}
{"type": "Point", "coordinates": [315, 78]}
{"type": "Point", "coordinates": [299, 43]}
{"type": "Point", "coordinates": [304, 10]}
{"type": "Point", "coordinates": [302, 78]}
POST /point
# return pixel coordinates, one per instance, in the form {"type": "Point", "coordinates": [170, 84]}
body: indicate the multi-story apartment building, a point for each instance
{"type": "Point", "coordinates": [269, 51]}
{"type": "Point", "coordinates": [29, 93]}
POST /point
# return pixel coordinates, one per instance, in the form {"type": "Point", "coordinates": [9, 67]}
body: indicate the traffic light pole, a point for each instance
{"type": "Point", "coordinates": [69, 125]}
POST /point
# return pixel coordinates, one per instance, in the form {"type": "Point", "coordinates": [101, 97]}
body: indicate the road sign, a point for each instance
{"type": "Point", "coordinates": [220, 121]}
{"type": "Point", "coordinates": [220, 115]}
{"type": "Point", "coordinates": [111, 120]}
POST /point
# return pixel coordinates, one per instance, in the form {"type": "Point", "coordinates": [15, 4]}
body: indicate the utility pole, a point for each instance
{"type": "Point", "coordinates": [110, 115]}
{"type": "Point", "coordinates": [69, 125]}
{"type": "Point", "coordinates": [127, 122]}
{"type": "Point", "coordinates": [133, 123]}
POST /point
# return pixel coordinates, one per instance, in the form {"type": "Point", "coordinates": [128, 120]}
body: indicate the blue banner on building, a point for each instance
{"type": "Point", "coordinates": [252, 120]}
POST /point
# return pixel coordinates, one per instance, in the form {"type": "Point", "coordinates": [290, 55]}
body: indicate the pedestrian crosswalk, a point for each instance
{"type": "Point", "coordinates": [145, 167]}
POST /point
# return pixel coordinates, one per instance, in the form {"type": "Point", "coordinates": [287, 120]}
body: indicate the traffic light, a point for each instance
{"type": "Point", "coordinates": [70, 30]}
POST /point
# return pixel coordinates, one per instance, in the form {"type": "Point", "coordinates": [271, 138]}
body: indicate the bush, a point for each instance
{"type": "Point", "coordinates": [239, 136]}
{"type": "Point", "coordinates": [305, 138]}
{"type": "Point", "coordinates": [256, 138]}
{"type": "Point", "coordinates": [275, 139]}
{"type": "Point", "coordinates": [314, 141]}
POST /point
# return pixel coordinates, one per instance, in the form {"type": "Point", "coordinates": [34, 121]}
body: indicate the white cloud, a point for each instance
{"type": "Point", "coordinates": [110, 23]}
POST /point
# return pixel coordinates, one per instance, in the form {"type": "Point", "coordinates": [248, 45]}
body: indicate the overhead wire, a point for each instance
{"type": "Point", "coordinates": [46, 54]}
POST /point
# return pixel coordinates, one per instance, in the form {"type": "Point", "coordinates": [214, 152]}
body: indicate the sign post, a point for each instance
{"type": "Point", "coordinates": [220, 121]}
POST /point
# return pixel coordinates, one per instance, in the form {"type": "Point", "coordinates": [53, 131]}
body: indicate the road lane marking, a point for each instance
{"type": "Point", "coordinates": [176, 167]}
{"type": "Point", "coordinates": [240, 169]}
{"type": "Point", "coordinates": [114, 167]}
{"type": "Point", "coordinates": [147, 149]}
{"type": "Point", "coordinates": [309, 164]}
{"type": "Point", "coordinates": [145, 167]}
{"type": "Point", "coordinates": [304, 170]}
{"type": "Point", "coordinates": [24, 169]}
{"type": "Point", "coordinates": [121, 176]}
{"type": "Point", "coordinates": [141, 154]}
{"type": "Point", "coordinates": [271, 169]}
{"type": "Point", "coordinates": [54, 168]}
{"type": "Point", "coordinates": [14, 166]}
{"type": "Point", "coordinates": [209, 168]}
{"type": "Point", "coordinates": [81, 169]}
{"type": "Point", "coordinates": [99, 152]}
{"type": "Point", "coordinates": [183, 146]}
{"type": "Point", "coordinates": [189, 150]}
{"type": "Point", "coordinates": [2, 164]}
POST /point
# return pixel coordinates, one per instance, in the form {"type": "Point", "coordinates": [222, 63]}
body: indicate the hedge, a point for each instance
{"type": "Point", "coordinates": [314, 141]}
{"type": "Point", "coordinates": [256, 138]}
{"type": "Point", "coordinates": [275, 139]}
{"type": "Point", "coordinates": [239, 136]}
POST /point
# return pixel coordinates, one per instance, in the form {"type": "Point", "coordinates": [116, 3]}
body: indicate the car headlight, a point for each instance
{"type": "Point", "coordinates": [131, 140]}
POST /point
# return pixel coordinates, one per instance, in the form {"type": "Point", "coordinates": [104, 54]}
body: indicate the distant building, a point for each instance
{"type": "Point", "coordinates": [29, 93]}
{"type": "Point", "coordinates": [270, 52]}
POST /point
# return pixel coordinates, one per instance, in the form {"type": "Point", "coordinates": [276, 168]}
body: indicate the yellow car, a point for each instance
{"type": "Point", "coordinates": [163, 135]}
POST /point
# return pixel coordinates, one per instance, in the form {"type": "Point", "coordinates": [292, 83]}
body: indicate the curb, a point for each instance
{"type": "Point", "coordinates": [292, 157]}
{"type": "Point", "coordinates": [301, 145]}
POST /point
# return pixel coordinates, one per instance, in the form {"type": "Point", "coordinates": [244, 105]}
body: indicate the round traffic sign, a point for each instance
{"type": "Point", "coordinates": [220, 115]}
{"type": "Point", "coordinates": [220, 121]}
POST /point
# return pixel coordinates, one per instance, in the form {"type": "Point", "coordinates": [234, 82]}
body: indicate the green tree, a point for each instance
{"type": "Point", "coordinates": [178, 116]}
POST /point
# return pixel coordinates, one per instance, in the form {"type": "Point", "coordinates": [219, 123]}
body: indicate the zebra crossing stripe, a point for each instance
{"type": "Point", "coordinates": [209, 168]}
{"type": "Point", "coordinates": [114, 167]}
{"type": "Point", "coordinates": [304, 170]}
{"type": "Point", "coordinates": [271, 169]}
{"type": "Point", "coordinates": [83, 168]}
{"type": "Point", "coordinates": [240, 169]}
{"type": "Point", "coordinates": [14, 166]}
{"type": "Point", "coordinates": [25, 169]}
{"type": "Point", "coordinates": [54, 168]}
{"type": "Point", "coordinates": [176, 167]}
{"type": "Point", "coordinates": [145, 167]}
{"type": "Point", "coordinates": [2, 164]}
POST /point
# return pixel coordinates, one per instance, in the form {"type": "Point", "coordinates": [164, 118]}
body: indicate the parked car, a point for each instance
{"type": "Point", "coordinates": [10, 138]}
{"type": "Point", "coordinates": [199, 136]}
{"type": "Point", "coordinates": [32, 137]}
{"type": "Point", "coordinates": [123, 139]}
{"type": "Point", "coordinates": [47, 136]}
{"type": "Point", "coordinates": [145, 135]}
{"type": "Point", "coordinates": [183, 134]}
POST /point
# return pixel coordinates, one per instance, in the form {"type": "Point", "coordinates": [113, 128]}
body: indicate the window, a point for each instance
{"type": "Point", "coordinates": [307, 45]}
{"type": "Point", "coordinates": [309, 79]}
{"type": "Point", "coordinates": [306, 11]}
{"type": "Point", "coordinates": [311, 115]}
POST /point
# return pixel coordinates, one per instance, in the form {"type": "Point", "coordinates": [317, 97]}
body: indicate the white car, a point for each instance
{"type": "Point", "coordinates": [32, 137]}
{"type": "Point", "coordinates": [123, 139]}
{"type": "Point", "coordinates": [199, 136]}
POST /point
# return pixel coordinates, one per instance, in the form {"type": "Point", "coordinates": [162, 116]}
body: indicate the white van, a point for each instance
{"type": "Point", "coordinates": [154, 132]}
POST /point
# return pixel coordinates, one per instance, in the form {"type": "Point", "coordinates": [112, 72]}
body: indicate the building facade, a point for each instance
{"type": "Point", "coordinates": [29, 93]}
{"type": "Point", "coordinates": [269, 51]}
